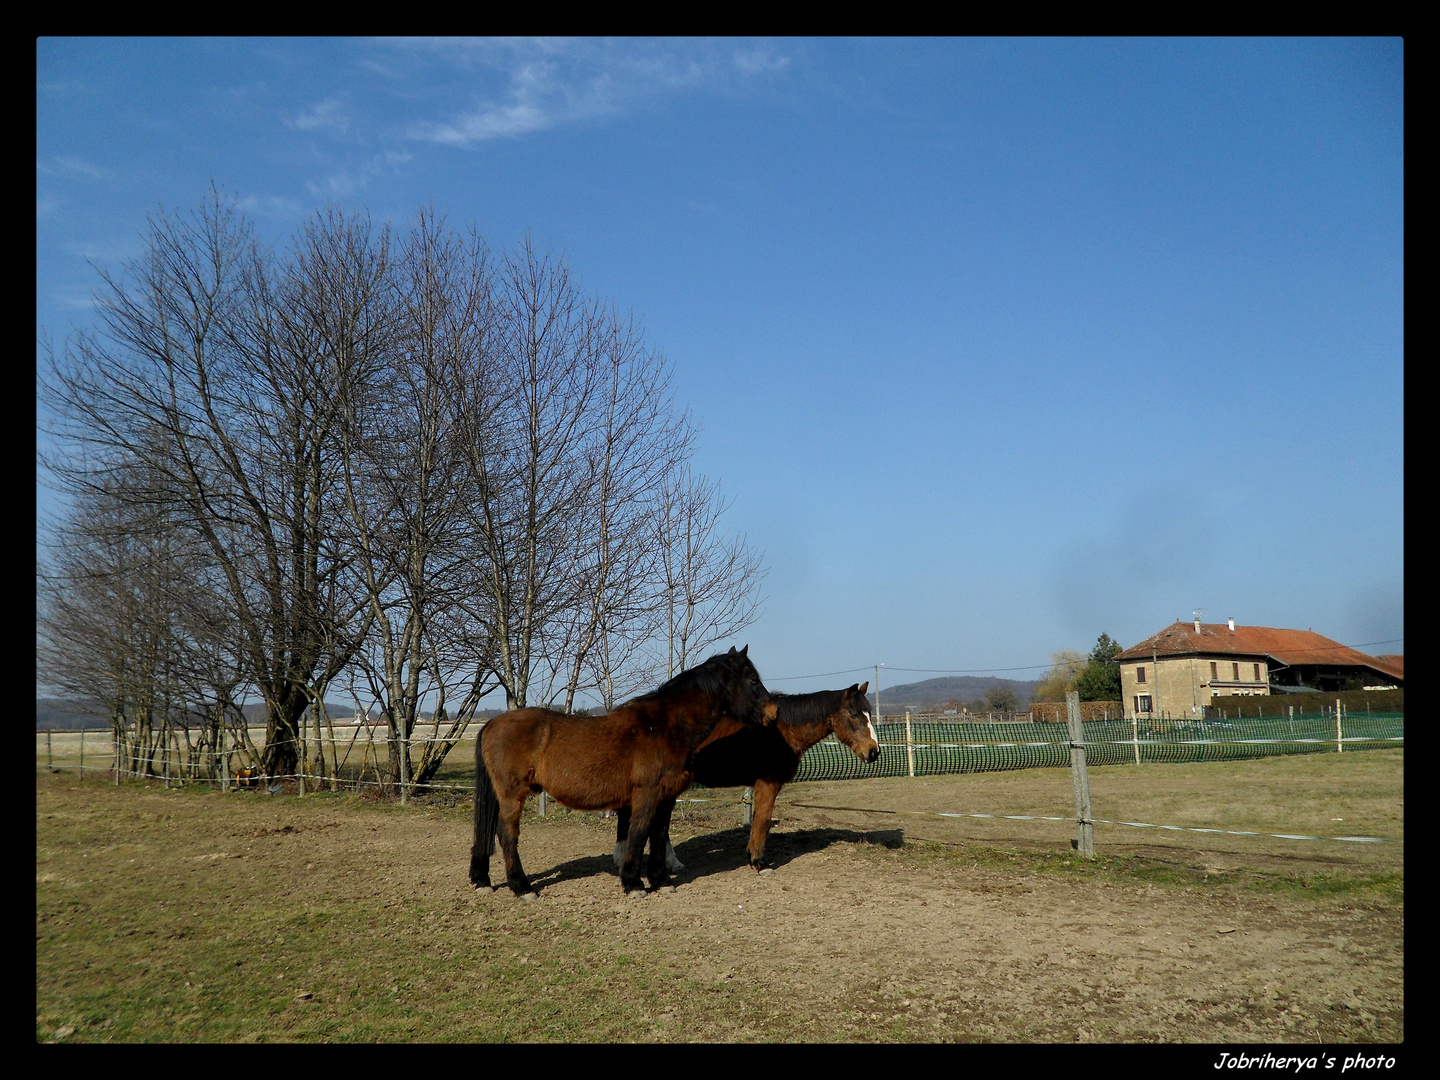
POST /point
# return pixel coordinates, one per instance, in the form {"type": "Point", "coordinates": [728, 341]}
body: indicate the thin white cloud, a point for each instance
{"type": "Point", "coordinates": [328, 115]}
{"type": "Point", "coordinates": [274, 207]}
{"type": "Point", "coordinates": [761, 62]}
{"type": "Point", "coordinates": [518, 87]}
{"type": "Point", "coordinates": [68, 165]}
{"type": "Point", "coordinates": [348, 183]}
{"type": "Point", "coordinates": [74, 298]}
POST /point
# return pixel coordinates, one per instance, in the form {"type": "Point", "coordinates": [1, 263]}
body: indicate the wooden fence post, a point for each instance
{"type": "Point", "coordinates": [1339, 744]}
{"type": "Point", "coordinates": [1080, 778]}
{"type": "Point", "coordinates": [749, 803]}
{"type": "Point", "coordinates": [909, 744]}
{"type": "Point", "coordinates": [1135, 735]}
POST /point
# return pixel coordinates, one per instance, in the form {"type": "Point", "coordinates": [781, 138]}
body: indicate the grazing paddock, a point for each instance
{"type": "Point", "coordinates": [191, 915]}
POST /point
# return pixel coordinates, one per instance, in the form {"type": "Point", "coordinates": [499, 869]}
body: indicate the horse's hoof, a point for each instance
{"type": "Point", "coordinates": [481, 887]}
{"type": "Point", "coordinates": [665, 889]}
{"type": "Point", "coordinates": [528, 896]}
{"type": "Point", "coordinates": [767, 870]}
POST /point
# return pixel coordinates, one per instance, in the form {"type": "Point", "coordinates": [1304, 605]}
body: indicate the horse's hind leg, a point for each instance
{"type": "Point", "coordinates": [509, 832]}
{"type": "Point", "coordinates": [765, 792]}
{"type": "Point", "coordinates": [658, 870]}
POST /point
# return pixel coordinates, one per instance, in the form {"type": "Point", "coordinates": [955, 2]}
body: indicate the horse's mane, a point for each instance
{"type": "Point", "coordinates": [710, 678]}
{"type": "Point", "coordinates": [807, 708]}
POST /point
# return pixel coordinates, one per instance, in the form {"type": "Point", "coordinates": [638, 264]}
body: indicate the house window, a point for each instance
{"type": "Point", "coordinates": [1257, 672]}
{"type": "Point", "coordinates": [1142, 703]}
{"type": "Point", "coordinates": [1140, 673]}
{"type": "Point", "coordinates": [1237, 671]}
{"type": "Point", "coordinates": [1214, 670]}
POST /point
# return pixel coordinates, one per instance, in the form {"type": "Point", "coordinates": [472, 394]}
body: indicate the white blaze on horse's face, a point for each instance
{"type": "Point", "coordinates": [870, 724]}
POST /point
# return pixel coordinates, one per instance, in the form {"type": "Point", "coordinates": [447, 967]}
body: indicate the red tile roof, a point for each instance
{"type": "Point", "coordinates": [1290, 647]}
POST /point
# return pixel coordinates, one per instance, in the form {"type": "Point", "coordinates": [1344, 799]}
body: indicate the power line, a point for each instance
{"type": "Point", "coordinates": [821, 675]}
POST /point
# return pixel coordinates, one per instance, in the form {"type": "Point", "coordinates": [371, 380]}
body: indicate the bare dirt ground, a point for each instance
{"type": "Point", "coordinates": [875, 925]}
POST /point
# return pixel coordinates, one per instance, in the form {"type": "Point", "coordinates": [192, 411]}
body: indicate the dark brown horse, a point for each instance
{"type": "Point", "coordinates": [768, 757]}
{"type": "Point", "coordinates": [636, 759]}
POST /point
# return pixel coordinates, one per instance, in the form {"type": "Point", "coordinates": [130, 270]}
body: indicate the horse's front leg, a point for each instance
{"type": "Point", "coordinates": [642, 813]}
{"type": "Point", "coordinates": [765, 792]}
{"type": "Point", "coordinates": [622, 834]}
{"type": "Point", "coordinates": [658, 870]}
{"type": "Point", "coordinates": [509, 832]}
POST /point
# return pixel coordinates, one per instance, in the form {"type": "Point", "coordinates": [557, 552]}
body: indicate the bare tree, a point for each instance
{"type": "Point", "coordinates": [638, 440]}
{"type": "Point", "coordinates": [1065, 668]}
{"type": "Point", "coordinates": [214, 371]}
{"type": "Point", "coordinates": [403, 491]}
{"type": "Point", "coordinates": [708, 580]}
{"type": "Point", "coordinates": [127, 618]}
{"type": "Point", "coordinates": [387, 453]}
{"type": "Point", "coordinates": [526, 417]}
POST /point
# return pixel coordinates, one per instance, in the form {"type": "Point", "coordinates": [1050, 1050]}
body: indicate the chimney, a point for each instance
{"type": "Point", "coordinates": [1232, 626]}
{"type": "Point", "coordinates": [1197, 624]}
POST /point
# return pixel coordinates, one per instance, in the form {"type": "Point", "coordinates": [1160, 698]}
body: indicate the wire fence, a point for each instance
{"type": "Point", "coordinates": [357, 760]}
{"type": "Point", "coordinates": [924, 747]}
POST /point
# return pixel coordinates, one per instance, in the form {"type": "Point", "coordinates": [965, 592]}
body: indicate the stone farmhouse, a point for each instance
{"type": "Point", "coordinates": [1186, 666]}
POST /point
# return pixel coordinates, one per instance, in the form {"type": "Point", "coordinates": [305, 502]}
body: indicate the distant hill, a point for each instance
{"type": "Point", "coordinates": [68, 715]}
{"type": "Point", "coordinates": [967, 689]}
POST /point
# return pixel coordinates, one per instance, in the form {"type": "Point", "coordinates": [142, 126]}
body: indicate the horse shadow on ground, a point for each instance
{"type": "Point", "coordinates": [724, 851]}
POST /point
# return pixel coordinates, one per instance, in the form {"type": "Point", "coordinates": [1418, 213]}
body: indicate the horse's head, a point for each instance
{"type": "Point", "coordinates": [853, 725]}
{"type": "Point", "coordinates": [748, 700]}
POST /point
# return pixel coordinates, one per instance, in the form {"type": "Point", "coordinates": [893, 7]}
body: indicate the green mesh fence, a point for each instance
{"type": "Point", "coordinates": [935, 747]}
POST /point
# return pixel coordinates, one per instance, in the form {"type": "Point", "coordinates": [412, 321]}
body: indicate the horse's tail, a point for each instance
{"type": "Point", "coordinates": [487, 819]}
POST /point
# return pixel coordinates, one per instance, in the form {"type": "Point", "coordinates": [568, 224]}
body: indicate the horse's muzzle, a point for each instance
{"type": "Point", "coordinates": [770, 711]}
{"type": "Point", "coordinates": [873, 756]}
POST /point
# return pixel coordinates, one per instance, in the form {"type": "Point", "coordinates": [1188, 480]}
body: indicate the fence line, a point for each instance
{"type": "Point", "coordinates": [931, 748]}
{"type": "Point", "coordinates": [928, 748]}
{"type": "Point", "coordinates": [940, 747]}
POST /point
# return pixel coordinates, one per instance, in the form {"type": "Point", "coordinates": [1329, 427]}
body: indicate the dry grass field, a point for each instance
{"type": "Point", "coordinates": [191, 915]}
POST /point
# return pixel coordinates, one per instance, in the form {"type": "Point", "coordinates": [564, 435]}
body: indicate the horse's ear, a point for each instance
{"type": "Point", "coordinates": [743, 651]}
{"type": "Point", "coordinates": [863, 686]}
{"type": "Point", "coordinates": [732, 650]}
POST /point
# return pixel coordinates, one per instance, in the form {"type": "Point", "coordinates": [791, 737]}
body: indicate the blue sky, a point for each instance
{"type": "Point", "coordinates": [997, 344]}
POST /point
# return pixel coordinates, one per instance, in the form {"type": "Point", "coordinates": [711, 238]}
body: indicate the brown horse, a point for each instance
{"type": "Point", "coordinates": [636, 758]}
{"type": "Point", "coordinates": [768, 757]}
